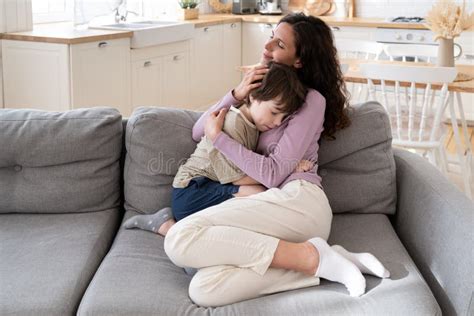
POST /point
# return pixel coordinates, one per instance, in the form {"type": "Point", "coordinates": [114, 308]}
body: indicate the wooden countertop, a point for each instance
{"type": "Point", "coordinates": [467, 86]}
{"type": "Point", "coordinates": [66, 33]}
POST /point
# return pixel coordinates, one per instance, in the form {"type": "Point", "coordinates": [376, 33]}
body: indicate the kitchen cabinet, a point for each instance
{"type": "Point", "coordinates": [216, 53]}
{"type": "Point", "coordinates": [254, 37]}
{"type": "Point", "coordinates": [160, 75]}
{"type": "Point", "coordinates": [60, 77]}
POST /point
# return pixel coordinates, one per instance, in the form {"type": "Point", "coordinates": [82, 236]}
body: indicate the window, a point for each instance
{"type": "Point", "coordinates": [45, 11]}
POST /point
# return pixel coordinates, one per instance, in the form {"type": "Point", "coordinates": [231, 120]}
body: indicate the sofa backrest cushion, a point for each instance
{"type": "Point", "coordinates": [60, 162]}
{"type": "Point", "coordinates": [158, 141]}
{"type": "Point", "coordinates": [358, 168]}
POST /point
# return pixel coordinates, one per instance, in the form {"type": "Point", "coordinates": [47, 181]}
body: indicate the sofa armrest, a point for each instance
{"type": "Point", "coordinates": [434, 220]}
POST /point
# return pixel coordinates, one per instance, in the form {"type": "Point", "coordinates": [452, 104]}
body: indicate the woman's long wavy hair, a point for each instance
{"type": "Point", "coordinates": [320, 68]}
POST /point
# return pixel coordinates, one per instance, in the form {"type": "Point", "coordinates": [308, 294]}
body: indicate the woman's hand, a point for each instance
{"type": "Point", "coordinates": [251, 74]}
{"type": "Point", "coordinates": [304, 166]}
{"type": "Point", "coordinates": [214, 124]}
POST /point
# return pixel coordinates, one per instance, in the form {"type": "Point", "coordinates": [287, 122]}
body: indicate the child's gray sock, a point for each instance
{"type": "Point", "coordinates": [150, 222]}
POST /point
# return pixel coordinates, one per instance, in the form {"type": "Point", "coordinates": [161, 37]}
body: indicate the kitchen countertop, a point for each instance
{"type": "Point", "coordinates": [65, 33]}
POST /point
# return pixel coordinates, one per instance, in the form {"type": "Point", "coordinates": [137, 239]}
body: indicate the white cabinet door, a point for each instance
{"type": "Point", "coordinates": [36, 75]}
{"type": "Point", "coordinates": [207, 64]}
{"type": "Point", "coordinates": [176, 80]}
{"type": "Point", "coordinates": [254, 37]}
{"type": "Point", "coordinates": [232, 55]}
{"type": "Point", "coordinates": [101, 74]}
{"type": "Point", "coordinates": [146, 82]}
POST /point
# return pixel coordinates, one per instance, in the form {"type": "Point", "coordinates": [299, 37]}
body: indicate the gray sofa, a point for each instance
{"type": "Point", "coordinates": [67, 181]}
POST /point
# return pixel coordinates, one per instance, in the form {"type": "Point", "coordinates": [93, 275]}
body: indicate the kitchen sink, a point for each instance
{"type": "Point", "coordinates": [150, 33]}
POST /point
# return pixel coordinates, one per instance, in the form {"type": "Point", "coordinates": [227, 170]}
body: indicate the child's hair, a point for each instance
{"type": "Point", "coordinates": [281, 83]}
{"type": "Point", "coordinates": [320, 71]}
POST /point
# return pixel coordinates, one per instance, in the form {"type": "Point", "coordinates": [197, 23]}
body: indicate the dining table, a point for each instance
{"type": "Point", "coordinates": [464, 83]}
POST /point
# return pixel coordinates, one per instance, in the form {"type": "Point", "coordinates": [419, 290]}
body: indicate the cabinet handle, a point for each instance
{"type": "Point", "coordinates": [268, 26]}
{"type": "Point", "coordinates": [102, 44]}
{"type": "Point", "coordinates": [176, 57]}
{"type": "Point", "coordinates": [147, 64]}
{"type": "Point", "coordinates": [335, 28]}
{"type": "Point", "coordinates": [469, 56]}
{"type": "Point", "coordinates": [233, 25]}
{"type": "Point", "coordinates": [206, 29]}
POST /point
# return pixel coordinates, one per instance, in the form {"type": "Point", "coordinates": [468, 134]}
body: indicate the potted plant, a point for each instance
{"type": "Point", "coordinates": [189, 9]}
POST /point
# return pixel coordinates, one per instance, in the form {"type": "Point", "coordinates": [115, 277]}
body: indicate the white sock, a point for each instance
{"type": "Point", "coordinates": [366, 262]}
{"type": "Point", "coordinates": [334, 267]}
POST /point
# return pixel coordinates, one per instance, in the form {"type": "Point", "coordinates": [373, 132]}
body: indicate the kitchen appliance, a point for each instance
{"type": "Point", "coordinates": [269, 7]}
{"type": "Point", "coordinates": [244, 7]}
{"type": "Point", "coordinates": [404, 36]}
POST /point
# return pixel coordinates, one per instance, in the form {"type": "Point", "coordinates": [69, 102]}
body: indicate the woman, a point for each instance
{"type": "Point", "coordinates": [275, 240]}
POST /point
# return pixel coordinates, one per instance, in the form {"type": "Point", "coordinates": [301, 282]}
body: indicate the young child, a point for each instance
{"type": "Point", "coordinates": [208, 177]}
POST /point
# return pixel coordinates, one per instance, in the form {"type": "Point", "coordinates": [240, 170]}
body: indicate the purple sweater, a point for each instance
{"type": "Point", "coordinates": [280, 149]}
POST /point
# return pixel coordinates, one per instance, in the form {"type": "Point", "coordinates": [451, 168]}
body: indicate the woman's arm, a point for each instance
{"type": "Point", "coordinates": [252, 74]}
{"type": "Point", "coordinates": [303, 128]}
{"type": "Point", "coordinates": [225, 103]}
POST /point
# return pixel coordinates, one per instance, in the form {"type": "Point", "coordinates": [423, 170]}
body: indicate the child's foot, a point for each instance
{"type": "Point", "coordinates": [151, 222]}
{"type": "Point", "coordinates": [334, 267]}
{"type": "Point", "coordinates": [366, 262]}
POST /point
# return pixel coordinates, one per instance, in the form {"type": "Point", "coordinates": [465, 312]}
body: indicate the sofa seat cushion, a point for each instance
{"type": "Point", "coordinates": [47, 260]}
{"type": "Point", "coordinates": [137, 278]}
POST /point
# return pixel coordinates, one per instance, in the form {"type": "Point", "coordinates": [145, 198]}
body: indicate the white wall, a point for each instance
{"type": "Point", "coordinates": [395, 8]}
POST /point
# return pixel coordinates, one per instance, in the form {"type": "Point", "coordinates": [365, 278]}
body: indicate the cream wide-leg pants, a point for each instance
{"type": "Point", "coordinates": [232, 244]}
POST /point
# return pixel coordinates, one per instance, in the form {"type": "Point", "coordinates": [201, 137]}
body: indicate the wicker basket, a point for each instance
{"type": "Point", "coordinates": [188, 14]}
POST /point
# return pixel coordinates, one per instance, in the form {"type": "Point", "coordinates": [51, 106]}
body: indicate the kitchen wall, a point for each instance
{"type": "Point", "coordinates": [378, 8]}
{"type": "Point", "coordinates": [395, 8]}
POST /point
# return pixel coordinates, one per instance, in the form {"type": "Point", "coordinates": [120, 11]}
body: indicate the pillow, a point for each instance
{"type": "Point", "coordinates": [60, 162]}
{"type": "Point", "coordinates": [358, 168]}
{"type": "Point", "coordinates": [158, 141]}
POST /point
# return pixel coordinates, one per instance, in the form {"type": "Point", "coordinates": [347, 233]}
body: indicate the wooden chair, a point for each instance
{"type": "Point", "coordinates": [416, 124]}
{"type": "Point", "coordinates": [358, 49]}
{"type": "Point", "coordinates": [428, 53]}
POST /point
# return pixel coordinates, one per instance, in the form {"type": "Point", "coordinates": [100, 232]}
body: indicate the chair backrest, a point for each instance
{"type": "Point", "coordinates": [426, 53]}
{"type": "Point", "coordinates": [358, 49]}
{"type": "Point", "coordinates": [416, 119]}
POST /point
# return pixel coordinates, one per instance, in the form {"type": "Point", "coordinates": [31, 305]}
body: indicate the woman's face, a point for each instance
{"type": "Point", "coordinates": [281, 47]}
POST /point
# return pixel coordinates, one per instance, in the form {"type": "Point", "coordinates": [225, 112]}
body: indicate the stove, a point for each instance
{"type": "Point", "coordinates": [404, 19]}
{"type": "Point", "coordinates": [404, 36]}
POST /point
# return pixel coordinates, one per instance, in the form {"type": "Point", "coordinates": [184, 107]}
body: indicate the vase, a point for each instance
{"type": "Point", "coordinates": [445, 52]}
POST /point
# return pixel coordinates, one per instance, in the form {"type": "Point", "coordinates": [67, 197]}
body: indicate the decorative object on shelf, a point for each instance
{"type": "Point", "coordinates": [188, 9]}
{"type": "Point", "coordinates": [338, 8]}
{"type": "Point", "coordinates": [221, 6]}
{"type": "Point", "coordinates": [447, 20]}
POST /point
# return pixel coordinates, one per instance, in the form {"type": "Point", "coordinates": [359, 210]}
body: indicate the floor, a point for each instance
{"type": "Point", "coordinates": [450, 145]}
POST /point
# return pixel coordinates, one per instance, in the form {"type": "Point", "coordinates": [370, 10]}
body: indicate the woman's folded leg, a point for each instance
{"type": "Point", "coordinates": [222, 285]}
{"type": "Point", "coordinates": [244, 232]}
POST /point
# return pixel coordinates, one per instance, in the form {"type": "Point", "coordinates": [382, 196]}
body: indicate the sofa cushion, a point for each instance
{"type": "Point", "coordinates": [49, 259]}
{"type": "Point", "coordinates": [358, 168]}
{"type": "Point", "coordinates": [59, 162]}
{"type": "Point", "coordinates": [136, 277]}
{"type": "Point", "coordinates": [158, 140]}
